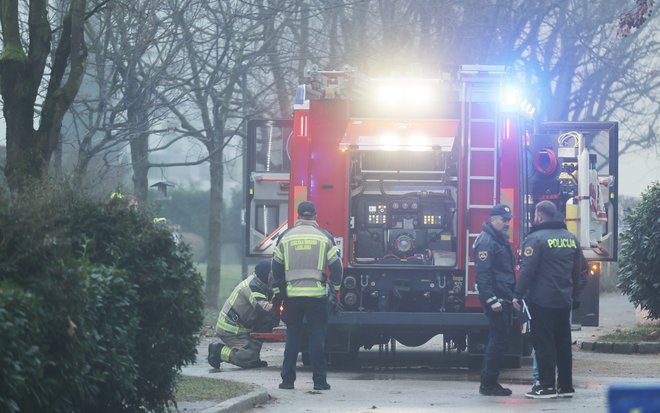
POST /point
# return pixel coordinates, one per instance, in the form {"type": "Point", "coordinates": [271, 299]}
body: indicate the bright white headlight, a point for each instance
{"type": "Point", "coordinates": [419, 142]}
{"type": "Point", "coordinates": [389, 94]}
{"type": "Point", "coordinates": [418, 94]}
{"type": "Point", "coordinates": [390, 142]}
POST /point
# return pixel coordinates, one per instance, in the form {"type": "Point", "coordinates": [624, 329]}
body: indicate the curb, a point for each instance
{"type": "Point", "coordinates": [240, 403]}
{"type": "Point", "coordinates": [620, 348]}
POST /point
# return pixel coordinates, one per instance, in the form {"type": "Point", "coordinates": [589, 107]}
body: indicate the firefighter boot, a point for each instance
{"type": "Point", "coordinates": [214, 354]}
{"type": "Point", "coordinates": [494, 389]}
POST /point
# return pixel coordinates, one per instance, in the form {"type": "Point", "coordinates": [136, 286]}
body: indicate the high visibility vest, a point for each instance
{"type": "Point", "coordinates": [305, 251]}
{"type": "Point", "coordinates": [240, 312]}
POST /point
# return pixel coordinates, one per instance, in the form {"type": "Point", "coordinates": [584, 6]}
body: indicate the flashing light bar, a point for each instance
{"type": "Point", "coordinates": [395, 135]}
{"type": "Point", "coordinates": [404, 92]}
{"type": "Point", "coordinates": [511, 97]}
{"type": "Point", "coordinates": [513, 100]}
{"type": "Point", "coordinates": [394, 142]}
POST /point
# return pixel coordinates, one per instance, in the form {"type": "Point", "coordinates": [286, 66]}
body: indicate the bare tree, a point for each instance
{"type": "Point", "coordinates": [588, 61]}
{"type": "Point", "coordinates": [39, 55]}
{"type": "Point", "coordinates": [218, 40]}
{"type": "Point", "coordinates": [134, 46]}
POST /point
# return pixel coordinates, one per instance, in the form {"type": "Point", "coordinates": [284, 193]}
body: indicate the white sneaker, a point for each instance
{"type": "Point", "coordinates": [539, 392]}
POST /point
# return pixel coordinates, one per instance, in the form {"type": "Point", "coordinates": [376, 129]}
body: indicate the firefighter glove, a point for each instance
{"type": "Point", "coordinates": [275, 312]}
{"type": "Point", "coordinates": [334, 306]}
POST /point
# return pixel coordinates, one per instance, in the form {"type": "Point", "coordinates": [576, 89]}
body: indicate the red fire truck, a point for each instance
{"type": "Point", "coordinates": [403, 172]}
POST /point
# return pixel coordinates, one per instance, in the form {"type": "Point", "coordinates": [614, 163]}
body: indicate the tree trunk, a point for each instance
{"type": "Point", "coordinates": [138, 124]}
{"type": "Point", "coordinates": [28, 150]}
{"type": "Point", "coordinates": [25, 162]}
{"type": "Point", "coordinates": [215, 227]}
{"type": "Point", "coordinates": [270, 38]}
{"type": "Point", "coordinates": [140, 164]}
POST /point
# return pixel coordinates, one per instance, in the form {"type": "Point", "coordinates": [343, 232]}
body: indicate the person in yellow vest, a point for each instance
{"type": "Point", "coordinates": [246, 310]}
{"type": "Point", "coordinates": [299, 263]}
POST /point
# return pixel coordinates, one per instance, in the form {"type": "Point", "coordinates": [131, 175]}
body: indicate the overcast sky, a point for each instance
{"type": "Point", "coordinates": [637, 171]}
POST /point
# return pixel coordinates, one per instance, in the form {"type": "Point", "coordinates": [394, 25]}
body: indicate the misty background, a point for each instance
{"type": "Point", "coordinates": [165, 87]}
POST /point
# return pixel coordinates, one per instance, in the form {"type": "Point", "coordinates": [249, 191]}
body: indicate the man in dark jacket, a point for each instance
{"type": "Point", "coordinates": [246, 310]}
{"type": "Point", "coordinates": [495, 278]}
{"type": "Point", "coordinates": [552, 275]}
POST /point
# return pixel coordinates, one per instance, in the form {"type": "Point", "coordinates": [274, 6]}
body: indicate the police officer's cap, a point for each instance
{"type": "Point", "coordinates": [262, 269]}
{"type": "Point", "coordinates": [502, 210]}
{"type": "Point", "coordinates": [306, 209]}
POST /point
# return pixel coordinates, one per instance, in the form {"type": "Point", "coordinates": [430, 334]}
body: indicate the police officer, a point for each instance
{"type": "Point", "coordinates": [299, 263]}
{"type": "Point", "coordinates": [552, 275]}
{"type": "Point", "coordinates": [495, 278]}
{"type": "Point", "coordinates": [247, 309]}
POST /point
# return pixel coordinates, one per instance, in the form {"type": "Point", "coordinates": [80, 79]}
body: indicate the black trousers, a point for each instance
{"type": "Point", "coordinates": [315, 310]}
{"type": "Point", "coordinates": [551, 338]}
{"type": "Point", "coordinates": [499, 329]}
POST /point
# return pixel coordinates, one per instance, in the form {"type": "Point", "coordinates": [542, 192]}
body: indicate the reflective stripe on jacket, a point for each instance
{"type": "Point", "coordinates": [305, 250]}
{"type": "Point", "coordinates": [245, 308]}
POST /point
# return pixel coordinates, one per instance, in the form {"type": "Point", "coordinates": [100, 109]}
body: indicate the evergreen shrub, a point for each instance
{"type": "Point", "coordinates": [100, 305]}
{"type": "Point", "coordinates": [639, 260]}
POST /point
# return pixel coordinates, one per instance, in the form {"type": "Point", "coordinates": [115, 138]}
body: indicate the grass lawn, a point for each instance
{"type": "Point", "coordinates": [202, 388]}
{"type": "Point", "coordinates": [230, 276]}
{"type": "Point", "coordinates": [633, 335]}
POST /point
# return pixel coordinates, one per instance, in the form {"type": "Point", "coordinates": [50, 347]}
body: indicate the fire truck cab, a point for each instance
{"type": "Point", "coordinates": [403, 173]}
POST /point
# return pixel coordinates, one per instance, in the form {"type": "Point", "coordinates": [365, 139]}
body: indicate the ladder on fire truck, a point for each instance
{"type": "Point", "coordinates": [481, 129]}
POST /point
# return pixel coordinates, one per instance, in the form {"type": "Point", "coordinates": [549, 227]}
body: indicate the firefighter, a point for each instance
{"type": "Point", "coordinates": [247, 309]}
{"type": "Point", "coordinates": [495, 278]}
{"type": "Point", "coordinates": [118, 198]}
{"type": "Point", "coordinates": [299, 263]}
{"type": "Point", "coordinates": [552, 274]}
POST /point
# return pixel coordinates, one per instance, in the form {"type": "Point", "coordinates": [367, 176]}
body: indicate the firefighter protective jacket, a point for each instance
{"type": "Point", "coordinates": [553, 270]}
{"type": "Point", "coordinates": [494, 261]}
{"type": "Point", "coordinates": [304, 251]}
{"type": "Point", "coordinates": [246, 309]}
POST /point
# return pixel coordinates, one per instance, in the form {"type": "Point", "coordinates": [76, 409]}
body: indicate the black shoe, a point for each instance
{"type": "Point", "coordinates": [494, 390]}
{"type": "Point", "coordinates": [257, 364]}
{"type": "Point", "coordinates": [214, 355]}
{"type": "Point", "coordinates": [566, 393]}
{"type": "Point", "coordinates": [286, 385]}
{"type": "Point", "coordinates": [322, 386]}
{"type": "Point", "coordinates": [539, 392]}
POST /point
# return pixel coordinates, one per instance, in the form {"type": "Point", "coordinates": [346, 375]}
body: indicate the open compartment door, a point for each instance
{"type": "Point", "coordinates": [575, 165]}
{"type": "Point", "coordinates": [267, 175]}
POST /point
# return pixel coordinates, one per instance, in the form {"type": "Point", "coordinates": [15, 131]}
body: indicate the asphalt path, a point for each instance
{"type": "Point", "coordinates": [423, 379]}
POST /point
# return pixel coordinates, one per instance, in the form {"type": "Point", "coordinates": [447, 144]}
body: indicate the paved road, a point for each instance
{"type": "Point", "coordinates": [432, 386]}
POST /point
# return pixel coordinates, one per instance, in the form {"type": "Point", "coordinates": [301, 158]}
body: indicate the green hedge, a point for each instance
{"type": "Point", "coordinates": [99, 306]}
{"type": "Point", "coordinates": [639, 261]}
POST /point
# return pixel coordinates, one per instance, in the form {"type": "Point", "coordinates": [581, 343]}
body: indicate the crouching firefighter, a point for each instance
{"type": "Point", "coordinates": [246, 310]}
